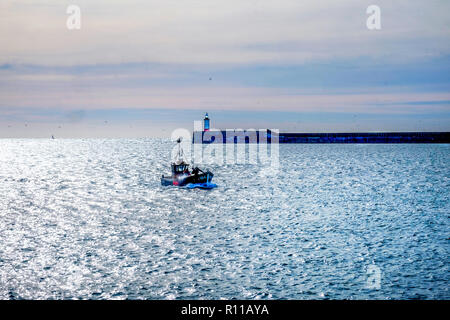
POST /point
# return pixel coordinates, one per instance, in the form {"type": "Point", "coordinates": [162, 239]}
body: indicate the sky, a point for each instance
{"type": "Point", "coordinates": [142, 68]}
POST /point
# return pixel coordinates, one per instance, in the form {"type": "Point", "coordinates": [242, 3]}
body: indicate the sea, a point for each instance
{"type": "Point", "coordinates": [89, 219]}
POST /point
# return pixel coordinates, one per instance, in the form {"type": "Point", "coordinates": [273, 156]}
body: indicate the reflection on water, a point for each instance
{"type": "Point", "coordinates": [89, 219]}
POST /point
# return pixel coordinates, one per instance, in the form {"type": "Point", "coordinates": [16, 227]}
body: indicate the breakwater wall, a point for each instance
{"type": "Point", "coordinates": [263, 136]}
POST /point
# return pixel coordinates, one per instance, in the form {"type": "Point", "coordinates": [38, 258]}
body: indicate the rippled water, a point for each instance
{"type": "Point", "coordinates": [88, 219]}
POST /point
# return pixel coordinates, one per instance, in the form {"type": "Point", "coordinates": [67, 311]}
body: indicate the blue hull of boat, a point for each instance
{"type": "Point", "coordinates": [207, 185]}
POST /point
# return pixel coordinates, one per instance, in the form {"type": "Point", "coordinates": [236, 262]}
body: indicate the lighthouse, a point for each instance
{"type": "Point", "coordinates": [206, 124]}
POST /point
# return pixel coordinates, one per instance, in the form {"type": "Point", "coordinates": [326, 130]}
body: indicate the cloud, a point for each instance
{"type": "Point", "coordinates": [225, 98]}
{"type": "Point", "coordinates": [336, 86]}
{"type": "Point", "coordinates": [259, 56]}
{"type": "Point", "coordinates": [220, 32]}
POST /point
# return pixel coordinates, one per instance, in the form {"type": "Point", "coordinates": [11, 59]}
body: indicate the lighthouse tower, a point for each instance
{"type": "Point", "coordinates": [206, 124]}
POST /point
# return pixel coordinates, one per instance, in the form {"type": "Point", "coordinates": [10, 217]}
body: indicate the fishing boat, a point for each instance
{"type": "Point", "coordinates": [182, 177]}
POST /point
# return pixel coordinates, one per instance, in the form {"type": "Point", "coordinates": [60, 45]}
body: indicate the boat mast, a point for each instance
{"type": "Point", "coordinates": [180, 154]}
